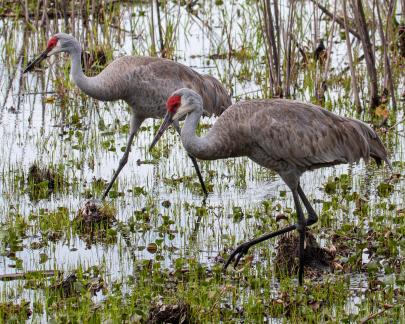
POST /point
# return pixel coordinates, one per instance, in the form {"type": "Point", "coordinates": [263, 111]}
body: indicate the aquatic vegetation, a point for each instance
{"type": "Point", "coordinates": [41, 182]}
{"type": "Point", "coordinates": [155, 249]}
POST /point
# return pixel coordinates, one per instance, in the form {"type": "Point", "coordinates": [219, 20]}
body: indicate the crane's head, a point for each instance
{"type": "Point", "coordinates": [60, 42]}
{"type": "Point", "coordinates": [178, 105]}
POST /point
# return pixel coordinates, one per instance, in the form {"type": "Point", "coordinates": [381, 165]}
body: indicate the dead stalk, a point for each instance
{"type": "Point", "coordinates": [161, 41]}
{"type": "Point", "coordinates": [27, 17]}
{"type": "Point", "coordinates": [72, 19]}
{"type": "Point", "coordinates": [387, 66]}
{"type": "Point", "coordinates": [278, 44]}
{"type": "Point", "coordinates": [273, 47]}
{"type": "Point", "coordinates": [152, 30]}
{"type": "Point", "coordinates": [44, 19]}
{"type": "Point", "coordinates": [267, 43]}
{"type": "Point", "coordinates": [316, 26]}
{"type": "Point", "coordinates": [288, 47]}
{"type": "Point", "coordinates": [315, 42]}
{"type": "Point", "coordinates": [350, 59]}
{"type": "Point", "coordinates": [368, 52]}
{"type": "Point", "coordinates": [339, 20]}
{"type": "Point", "coordinates": [328, 56]}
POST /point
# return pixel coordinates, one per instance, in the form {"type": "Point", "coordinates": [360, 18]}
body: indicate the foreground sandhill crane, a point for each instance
{"type": "Point", "coordinates": [287, 136]}
{"type": "Point", "coordinates": [144, 83]}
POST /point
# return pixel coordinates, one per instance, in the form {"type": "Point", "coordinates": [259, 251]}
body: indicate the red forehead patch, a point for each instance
{"type": "Point", "coordinates": [52, 42]}
{"type": "Point", "coordinates": [173, 103]}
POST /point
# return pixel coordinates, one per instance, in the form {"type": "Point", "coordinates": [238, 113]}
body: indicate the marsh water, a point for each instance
{"type": "Point", "coordinates": [162, 216]}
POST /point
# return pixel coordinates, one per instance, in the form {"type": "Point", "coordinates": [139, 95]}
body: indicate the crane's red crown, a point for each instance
{"type": "Point", "coordinates": [173, 103]}
{"type": "Point", "coordinates": [52, 42]}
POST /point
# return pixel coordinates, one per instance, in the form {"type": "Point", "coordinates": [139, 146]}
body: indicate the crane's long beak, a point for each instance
{"type": "Point", "coordinates": [165, 125]}
{"type": "Point", "coordinates": [39, 59]}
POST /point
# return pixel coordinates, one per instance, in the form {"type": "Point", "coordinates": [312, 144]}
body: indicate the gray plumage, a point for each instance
{"type": "Point", "coordinates": [287, 136]}
{"type": "Point", "coordinates": [144, 83]}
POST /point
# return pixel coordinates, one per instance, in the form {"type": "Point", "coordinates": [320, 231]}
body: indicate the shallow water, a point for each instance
{"type": "Point", "coordinates": [33, 130]}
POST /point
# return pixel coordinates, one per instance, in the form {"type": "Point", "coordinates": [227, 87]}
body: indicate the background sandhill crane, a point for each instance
{"type": "Point", "coordinates": [287, 136]}
{"type": "Point", "coordinates": [143, 82]}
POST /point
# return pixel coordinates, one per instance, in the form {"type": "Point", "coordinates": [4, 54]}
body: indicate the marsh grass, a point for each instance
{"type": "Point", "coordinates": [42, 181]}
{"type": "Point", "coordinates": [162, 249]}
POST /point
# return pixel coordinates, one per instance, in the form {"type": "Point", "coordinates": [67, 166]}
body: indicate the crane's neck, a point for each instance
{"type": "Point", "coordinates": [88, 85]}
{"type": "Point", "coordinates": [206, 147]}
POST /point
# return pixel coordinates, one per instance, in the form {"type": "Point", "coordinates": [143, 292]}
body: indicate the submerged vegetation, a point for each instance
{"type": "Point", "coordinates": [154, 250]}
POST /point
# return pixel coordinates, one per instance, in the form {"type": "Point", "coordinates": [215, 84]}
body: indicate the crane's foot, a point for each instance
{"type": "Point", "coordinates": [238, 253]}
{"type": "Point", "coordinates": [242, 249]}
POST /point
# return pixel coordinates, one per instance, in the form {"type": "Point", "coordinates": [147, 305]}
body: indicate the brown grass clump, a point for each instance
{"type": "Point", "coordinates": [161, 313]}
{"type": "Point", "coordinates": [94, 223]}
{"type": "Point", "coordinates": [38, 175]}
{"type": "Point", "coordinates": [15, 313]}
{"type": "Point", "coordinates": [316, 259]}
{"type": "Point", "coordinates": [94, 212]}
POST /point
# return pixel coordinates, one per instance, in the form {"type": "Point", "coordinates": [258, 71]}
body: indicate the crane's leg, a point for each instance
{"type": "Point", "coordinates": [301, 230]}
{"type": "Point", "coordinates": [193, 159]}
{"type": "Point", "coordinates": [136, 122]}
{"type": "Point", "coordinates": [242, 249]}
{"type": "Point", "coordinates": [312, 216]}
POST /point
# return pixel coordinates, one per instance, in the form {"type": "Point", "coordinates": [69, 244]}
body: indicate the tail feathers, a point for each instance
{"type": "Point", "coordinates": [216, 95]}
{"type": "Point", "coordinates": [377, 149]}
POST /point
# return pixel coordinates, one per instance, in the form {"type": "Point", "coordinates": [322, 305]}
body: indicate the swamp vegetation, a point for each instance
{"type": "Point", "coordinates": [156, 252]}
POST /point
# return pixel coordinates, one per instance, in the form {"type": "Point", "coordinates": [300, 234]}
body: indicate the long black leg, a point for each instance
{"type": "Point", "coordinates": [242, 249]}
{"type": "Point", "coordinates": [135, 124]}
{"type": "Point", "coordinates": [312, 216]}
{"type": "Point", "coordinates": [200, 178]}
{"type": "Point", "coordinates": [301, 229]}
{"type": "Point", "coordinates": [196, 167]}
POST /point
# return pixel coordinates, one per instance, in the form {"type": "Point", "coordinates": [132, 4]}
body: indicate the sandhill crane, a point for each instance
{"type": "Point", "coordinates": [144, 83]}
{"type": "Point", "coordinates": [287, 136]}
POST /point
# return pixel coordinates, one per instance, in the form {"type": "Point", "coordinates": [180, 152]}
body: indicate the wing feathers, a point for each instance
{"type": "Point", "coordinates": [308, 137]}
